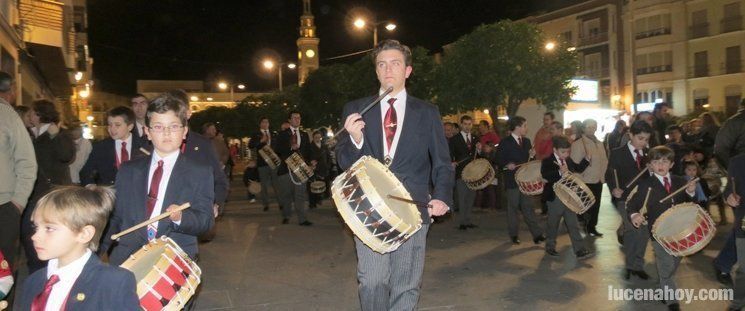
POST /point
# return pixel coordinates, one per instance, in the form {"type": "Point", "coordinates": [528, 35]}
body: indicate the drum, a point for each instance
{"type": "Point", "coordinates": [573, 192]}
{"type": "Point", "coordinates": [318, 187]}
{"type": "Point", "coordinates": [478, 174]}
{"type": "Point", "coordinates": [271, 158]}
{"type": "Point", "coordinates": [166, 277]}
{"type": "Point", "coordinates": [683, 229]}
{"type": "Point", "coordinates": [528, 178]}
{"type": "Point", "coordinates": [254, 187]}
{"type": "Point", "coordinates": [299, 170]}
{"type": "Point", "coordinates": [361, 197]}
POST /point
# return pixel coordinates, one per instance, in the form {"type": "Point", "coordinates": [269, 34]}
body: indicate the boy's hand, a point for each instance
{"type": "Point", "coordinates": [617, 193]}
{"type": "Point", "coordinates": [53, 129]}
{"type": "Point", "coordinates": [510, 166]}
{"type": "Point", "coordinates": [733, 200]}
{"type": "Point", "coordinates": [637, 219]}
{"type": "Point", "coordinates": [564, 169]}
{"type": "Point", "coordinates": [175, 216]}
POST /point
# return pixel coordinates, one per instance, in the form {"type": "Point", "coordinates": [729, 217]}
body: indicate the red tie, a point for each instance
{"type": "Point", "coordinates": [40, 302]}
{"type": "Point", "coordinates": [666, 181]}
{"type": "Point", "coordinates": [520, 141]}
{"type": "Point", "coordinates": [389, 124]}
{"type": "Point", "coordinates": [468, 141]}
{"type": "Point", "coordinates": [125, 155]}
{"type": "Point", "coordinates": [294, 139]}
{"type": "Point", "coordinates": [562, 162]}
{"type": "Point", "coordinates": [152, 196]}
{"type": "Point", "coordinates": [638, 159]}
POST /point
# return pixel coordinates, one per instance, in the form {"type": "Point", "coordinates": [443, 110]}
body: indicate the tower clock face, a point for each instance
{"type": "Point", "coordinates": [310, 53]}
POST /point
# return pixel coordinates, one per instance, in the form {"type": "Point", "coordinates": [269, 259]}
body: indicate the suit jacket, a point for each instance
{"type": "Point", "coordinates": [141, 140]}
{"type": "Point", "coordinates": [736, 170]}
{"type": "Point", "coordinates": [654, 207]}
{"type": "Point", "coordinates": [282, 147]}
{"type": "Point", "coordinates": [421, 162]}
{"type": "Point", "coordinates": [101, 167]}
{"type": "Point", "coordinates": [103, 287]}
{"type": "Point", "coordinates": [550, 172]}
{"type": "Point", "coordinates": [256, 144]}
{"type": "Point", "coordinates": [461, 151]}
{"type": "Point", "coordinates": [622, 161]}
{"type": "Point", "coordinates": [508, 152]}
{"type": "Point", "coordinates": [322, 157]}
{"type": "Point", "coordinates": [53, 156]}
{"type": "Point", "coordinates": [190, 181]}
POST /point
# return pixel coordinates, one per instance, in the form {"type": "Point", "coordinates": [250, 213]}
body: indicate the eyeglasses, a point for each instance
{"type": "Point", "coordinates": [162, 128]}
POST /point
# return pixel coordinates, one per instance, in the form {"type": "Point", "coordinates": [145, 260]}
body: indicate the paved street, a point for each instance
{"type": "Point", "coordinates": [256, 263]}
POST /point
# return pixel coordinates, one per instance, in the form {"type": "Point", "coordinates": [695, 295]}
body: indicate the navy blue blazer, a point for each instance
{"type": "Point", "coordinates": [624, 164]}
{"type": "Point", "coordinates": [101, 287]}
{"type": "Point", "coordinates": [190, 181]}
{"type": "Point", "coordinates": [101, 168]}
{"type": "Point", "coordinates": [736, 170]}
{"type": "Point", "coordinates": [422, 161]}
{"type": "Point", "coordinates": [256, 144]}
{"type": "Point", "coordinates": [657, 192]}
{"type": "Point", "coordinates": [461, 151]}
{"type": "Point", "coordinates": [508, 152]}
{"type": "Point", "coordinates": [282, 146]}
{"type": "Point", "coordinates": [550, 172]}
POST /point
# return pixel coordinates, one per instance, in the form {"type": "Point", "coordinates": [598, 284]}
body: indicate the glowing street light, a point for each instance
{"type": "Point", "coordinates": [550, 46]}
{"type": "Point", "coordinates": [360, 23]}
{"type": "Point", "coordinates": [194, 98]}
{"type": "Point", "coordinates": [84, 93]}
{"type": "Point", "coordinates": [241, 86]}
{"type": "Point", "coordinates": [222, 85]}
{"type": "Point", "coordinates": [269, 65]}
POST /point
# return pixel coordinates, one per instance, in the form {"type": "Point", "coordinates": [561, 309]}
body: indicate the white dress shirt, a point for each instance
{"type": "Point", "coordinates": [168, 162]}
{"type": "Point", "coordinates": [661, 178]}
{"type": "Point", "coordinates": [297, 134]}
{"type": "Point", "coordinates": [140, 128]}
{"type": "Point", "coordinates": [518, 139]}
{"type": "Point", "coordinates": [67, 277]}
{"type": "Point", "coordinates": [268, 135]}
{"type": "Point", "coordinates": [118, 148]}
{"type": "Point", "coordinates": [633, 152]}
{"type": "Point", "coordinates": [400, 106]}
{"type": "Point", "coordinates": [466, 136]}
{"type": "Point", "coordinates": [38, 131]}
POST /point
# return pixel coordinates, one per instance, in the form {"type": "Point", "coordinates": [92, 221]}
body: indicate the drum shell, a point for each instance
{"type": "Point", "coordinates": [298, 168]}
{"type": "Point", "coordinates": [683, 239]}
{"type": "Point", "coordinates": [254, 187]}
{"type": "Point", "coordinates": [574, 193]}
{"type": "Point", "coordinates": [318, 187]}
{"type": "Point", "coordinates": [478, 174]}
{"type": "Point", "coordinates": [528, 178]}
{"type": "Point", "coordinates": [270, 157]}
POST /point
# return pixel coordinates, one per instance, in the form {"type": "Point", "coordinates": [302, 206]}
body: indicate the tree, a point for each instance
{"type": "Point", "coordinates": [503, 64]}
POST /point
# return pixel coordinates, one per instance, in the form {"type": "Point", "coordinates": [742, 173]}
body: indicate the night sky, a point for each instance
{"type": "Point", "coordinates": [215, 40]}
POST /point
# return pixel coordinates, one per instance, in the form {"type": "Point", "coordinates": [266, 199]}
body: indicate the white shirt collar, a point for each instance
{"type": "Point", "coordinates": [71, 270]}
{"type": "Point", "coordinates": [168, 159]}
{"type": "Point", "coordinates": [128, 140]}
{"type": "Point", "coordinates": [661, 178]}
{"type": "Point", "coordinates": [516, 137]}
{"type": "Point", "coordinates": [41, 130]}
{"type": "Point", "coordinates": [632, 149]}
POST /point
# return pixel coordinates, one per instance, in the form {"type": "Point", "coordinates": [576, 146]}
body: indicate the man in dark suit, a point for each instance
{"type": "Point", "coordinates": [512, 151]}
{"type": "Point", "coordinates": [624, 164]}
{"type": "Point", "coordinates": [149, 186]}
{"type": "Point", "coordinates": [319, 153]}
{"type": "Point", "coordinates": [292, 192]}
{"type": "Point", "coordinates": [462, 149]}
{"type": "Point", "coordinates": [108, 154]}
{"type": "Point", "coordinates": [267, 175]}
{"type": "Point", "coordinates": [734, 193]}
{"type": "Point", "coordinates": [139, 106]}
{"type": "Point", "coordinates": [406, 134]}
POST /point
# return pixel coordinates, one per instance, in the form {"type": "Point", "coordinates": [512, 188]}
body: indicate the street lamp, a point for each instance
{"type": "Point", "coordinates": [269, 65]}
{"type": "Point", "coordinates": [550, 46]}
{"type": "Point", "coordinates": [224, 86]}
{"type": "Point", "coordinates": [360, 23]}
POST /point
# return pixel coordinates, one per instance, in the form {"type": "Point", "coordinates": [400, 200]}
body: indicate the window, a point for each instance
{"type": "Point", "coordinates": [653, 26]}
{"type": "Point", "coordinates": [566, 36]}
{"type": "Point", "coordinates": [733, 63]}
{"type": "Point", "coordinates": [732, 20]}
{"type": "Point", "coordinates": [700, 64]}
{"type": "Point", "coordinates": [699, 24]}
{"type": "Point", "coordinates": [654, 62]}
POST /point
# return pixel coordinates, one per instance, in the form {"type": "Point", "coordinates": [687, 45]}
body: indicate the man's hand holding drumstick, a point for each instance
{"type": "Point", "coordinates": [733, 199]}
{"type": "Point", "coordinates": [437, 208]}
{"type": "Point", "coordinates": [354, 125]}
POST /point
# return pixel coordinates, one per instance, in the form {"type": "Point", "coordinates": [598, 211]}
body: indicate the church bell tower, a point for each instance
{"type": "Point", "coordinates": [307, 44]}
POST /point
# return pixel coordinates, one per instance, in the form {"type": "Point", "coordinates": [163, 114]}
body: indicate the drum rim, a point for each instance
{"type": "Point", "coordinates": [524, 168]}
{"type": "Point", "coordinates": [488, 177]}
{"type": "Point", "coordinates": [295, 163]}
{"type": "Point", "coordinates": [681, 236]}
{"type": "Point", "coordinates": [355, 225]}
{"type": "Point", "coordinates": [573, 194]}
{"type": "Point", "coordinates": [270, 157]}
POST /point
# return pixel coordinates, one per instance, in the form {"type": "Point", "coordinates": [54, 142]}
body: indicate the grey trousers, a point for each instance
{"type": "Point", "coordinates": [516, 200]}
{"type": "Point", "coordinates": [556, 211]}
{"type": "Point", "coordinates": [268, 178]}
{"type": "Point", "coordinates": [666, 266]}
{"type": "Point", "coordinates": [465, 197]}
{"type": "Point", "coordinates": [739, 300]}
{"type": "Point", "coordinates": [391, 281]}
{"type": "Point", "coordinates": [634, 240]}
{"type": "Point", "coordinates": [291, 195]}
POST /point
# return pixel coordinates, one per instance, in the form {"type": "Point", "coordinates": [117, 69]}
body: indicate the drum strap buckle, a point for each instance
{"type": "Point", "coordinates": [387, 161]}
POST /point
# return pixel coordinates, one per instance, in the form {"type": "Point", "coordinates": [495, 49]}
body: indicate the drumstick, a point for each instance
{"type": "Point", "coordinates": [637, 177]}
{"type": "Point", "coordinates": [643, 210]}
{"type": "Point", "coordinates": [417, 203]}
{"type": "Point", "coordinates": [151, 220]}
{"type": "Point", "coordinates": [679, 190]}
{"type": "Point", "coordinates": [144, 151]}
{"type": "Point", "coordinates": [615, 175]}
{"type": "Point", "coordinates": [370, 105]}
{"type": "Point", "coordinates": [516, 166]}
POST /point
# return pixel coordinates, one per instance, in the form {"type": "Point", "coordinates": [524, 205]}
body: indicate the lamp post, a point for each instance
{"type": "Point", "coordinates": [360, 23]}
{"type": "Point", "coordinates": [269, 65]}
{"type": "Point", "coordinates": [224, 85]}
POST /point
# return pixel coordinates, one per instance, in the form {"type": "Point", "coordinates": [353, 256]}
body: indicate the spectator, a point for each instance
{"type": "Point", "coordinates": [663, 119]}
{"type": "Point", "coordinates": [707, 135]}
{"type": "Point", "coordinates": [614, 139]}
{"type": "Point", "coordinates": [576, 130]}
{"type": "Point", "coordinates": [83, 149]}
{"type": "Point", "coordinates": [729, 140]}
{"type": "Point", "coordinates": [25, 114]}
{"type": "Point", "coordinates": [543, 137]}
{"type": "Point", "coordinates": [680, 148]}
{"type": "Point", "coordinates": [487, 134]}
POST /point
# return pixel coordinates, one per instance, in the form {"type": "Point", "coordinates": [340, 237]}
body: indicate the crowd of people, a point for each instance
{"type": "Point", "coordinates": [156, 163]}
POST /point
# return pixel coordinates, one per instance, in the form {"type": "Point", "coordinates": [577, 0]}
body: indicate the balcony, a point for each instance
{"type": "Point", "coordinates": [654, 69]}
{"type": "Point", "coordinates": [591, 39]}
{"type": "Point", "coordinates": [50, 37]}
{"type": "Point", "coordinates": [698, 31]}
{"type": "Point", "coordinates": [698, 71]}
{"type": "Point", "coordinates": [731, 24]}
{"type": "Point", "coordinates": [598, 73]}
{"type": "Point", "coordinates": [653, 33]}
{"type": "Point", "coordinates": [732, 67]}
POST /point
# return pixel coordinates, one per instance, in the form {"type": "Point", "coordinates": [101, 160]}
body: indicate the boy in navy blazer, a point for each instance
{"type": "Point", "coordinates": [69, 222]}
{"type": "Point", "coordinates": [512, 151]}
{"type": "Point", "coordinates": [553, 168]}
{"type": "Point", "coordinates": [109, 154]}
{"type": "Point", "coordinates": [149, 186]}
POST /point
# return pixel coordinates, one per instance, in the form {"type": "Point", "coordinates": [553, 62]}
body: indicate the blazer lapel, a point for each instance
{"type": "Point", "coordinates": [408, 132]}
{"type": "Point", "coordinates": [77, 292]}
{"type": "Point", "coordinates": [140, 194]}
{"type": "Point", "coordinates": [374, 132]}
{"type": "Point", "coordinates": [171, 195]}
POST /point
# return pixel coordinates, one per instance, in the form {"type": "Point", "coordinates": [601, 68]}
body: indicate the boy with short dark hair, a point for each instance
{"type": "Point", "coordinates": [659, 185]}
{"type": "Point", "coordinates": [69, 222]}
{"type": "Point", "coordinates": [553, 168]}
{"type": "Point", "coordinates": [149, 186]}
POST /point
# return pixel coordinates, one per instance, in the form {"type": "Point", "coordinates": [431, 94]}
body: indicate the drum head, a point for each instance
{"type": "Point", "coordinates": [476, 169]}
{"type": "Point", "coordinates": [529, 172]}
{"type": "Point", "coordinates": [142, 262]}
{"type": "Point", "coordinates": [382, 183]}
{"type": "Point", "coordinates": [679, 218]}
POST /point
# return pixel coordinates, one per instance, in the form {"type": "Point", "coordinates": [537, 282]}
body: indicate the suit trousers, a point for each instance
{"type": "Point", "coordinates": [556, 211]}
{"type": "Point", "coordinates": [728, 255]}
{"type": "Point", "coordinates": [291, 195]}
{"type": "Point", "coordinates": [391, 281]}
{"type": "Point", "coordinates": [738, 302]}
{"type": "Point", "coordinates": [465, 197]}
{"type": "Point", "coordinates": [10, 230]}
{"type": "Point", "coordinates": [268, 177]}
{"type": "Point", "coordinates": [634, 240]}
{"type": "Point", "coordinates": [666, 266]}
{"type": "Point", "coordinates": [591, 215]}
{"type": "Point", "coordinates": [517, 201]}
